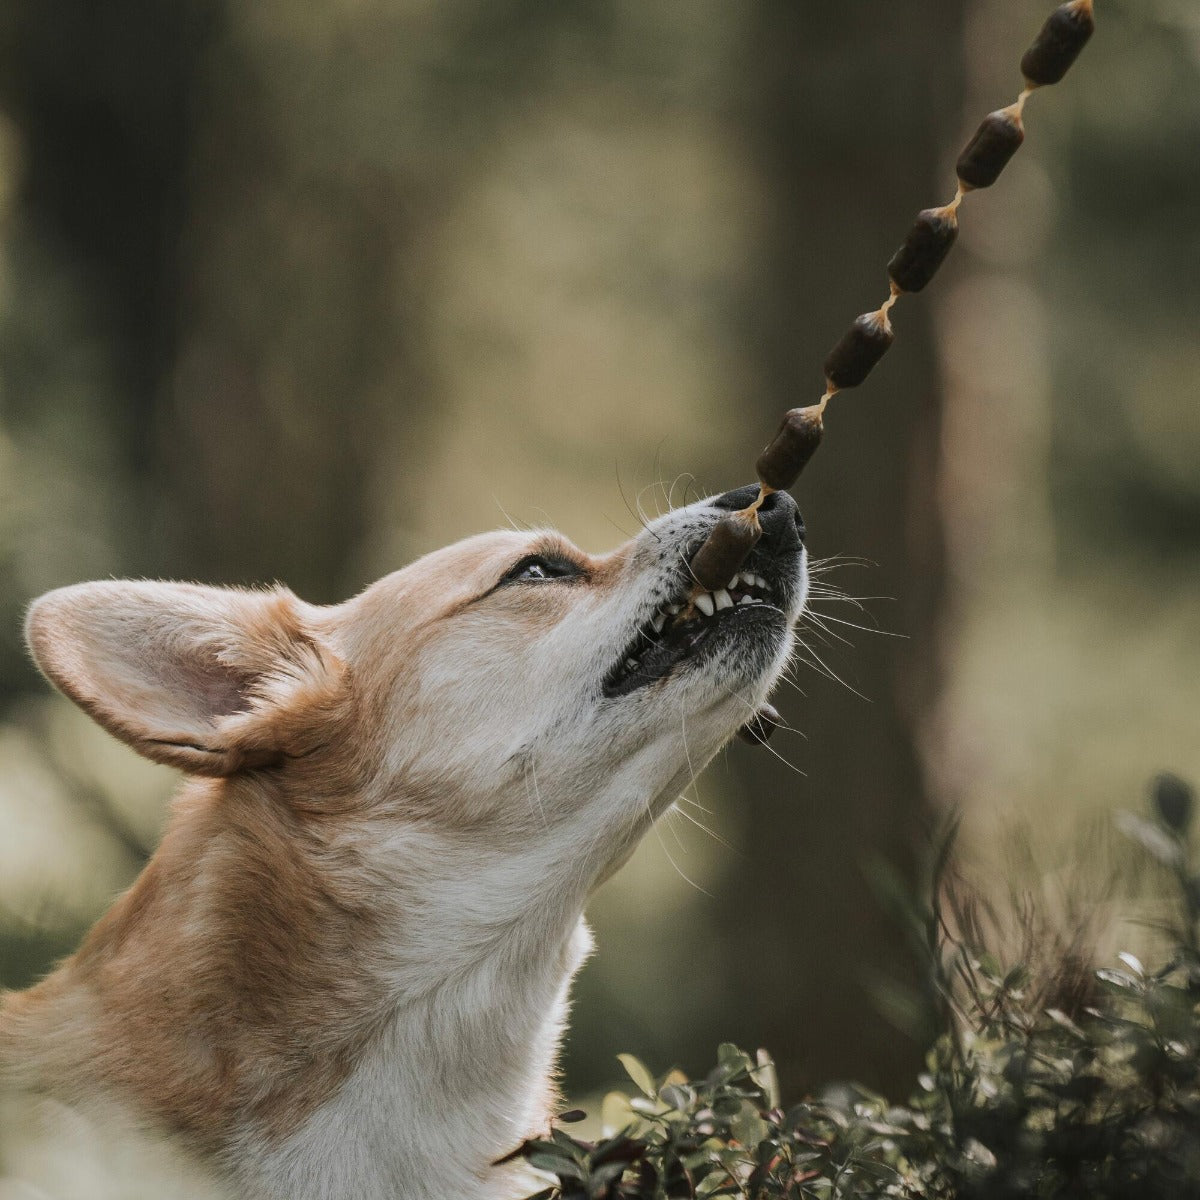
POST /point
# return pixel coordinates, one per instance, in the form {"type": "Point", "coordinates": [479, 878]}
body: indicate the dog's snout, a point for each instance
{"type": "Point", "coordinates": [781, 521]}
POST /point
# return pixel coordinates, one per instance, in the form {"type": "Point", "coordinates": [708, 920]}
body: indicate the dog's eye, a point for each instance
{"type": "Point", "coordinates": [538, 568]}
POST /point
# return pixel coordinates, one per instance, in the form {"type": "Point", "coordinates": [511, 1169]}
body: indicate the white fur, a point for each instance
{"type": "Point", "coordinates": [552, 788]}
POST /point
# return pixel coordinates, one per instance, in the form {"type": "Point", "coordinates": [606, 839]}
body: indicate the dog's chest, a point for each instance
{"type": "Point", "coordinates": [457, 1080]}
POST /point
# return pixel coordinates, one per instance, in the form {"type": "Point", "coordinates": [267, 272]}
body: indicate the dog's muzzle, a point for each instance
{"type": "Point", "coordinates": [752, 606]}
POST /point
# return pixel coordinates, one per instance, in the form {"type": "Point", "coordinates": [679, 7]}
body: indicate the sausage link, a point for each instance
{"type": "Point", "coordinates": [925, 248]}
{"type": "Point", "coordinates": [1063, 36]}
{"type": "Point", "coordinates": [996, 140]}
{"type": "Point", "coordinates": [725, 549]}
{"type": "Point", "coordinates": [861, 347]}
{"type": "Point", "coordinates": [780, 464]}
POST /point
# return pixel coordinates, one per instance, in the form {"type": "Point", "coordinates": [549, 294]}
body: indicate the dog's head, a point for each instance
{"type": "Point", "coordinates": [507, 682]}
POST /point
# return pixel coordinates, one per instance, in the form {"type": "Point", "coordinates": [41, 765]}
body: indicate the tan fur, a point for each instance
{"type": "Point", "coordinates": [359, 770]}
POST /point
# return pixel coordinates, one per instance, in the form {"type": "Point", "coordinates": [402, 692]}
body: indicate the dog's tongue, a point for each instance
{"type": "Point", "coordinates": [759, 728]}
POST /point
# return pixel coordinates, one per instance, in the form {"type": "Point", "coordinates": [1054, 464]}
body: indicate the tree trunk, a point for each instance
{"type": "Point", "coordinates": [857, 111]}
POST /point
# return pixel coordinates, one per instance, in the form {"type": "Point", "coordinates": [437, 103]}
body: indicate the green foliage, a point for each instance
{"type": "Point", "coordinates": [1083, 1083]}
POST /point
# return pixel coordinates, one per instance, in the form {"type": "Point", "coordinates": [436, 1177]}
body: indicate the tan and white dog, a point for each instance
{"type": "Point", "coordinates": [344, 972]}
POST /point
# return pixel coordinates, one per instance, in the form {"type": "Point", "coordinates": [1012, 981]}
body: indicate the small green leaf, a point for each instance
{"type": "Point", "coordinates": [637, 1071]}
{"type": "Point", "coordinates": [553, 1164]}
{"type": "Point", "coordinates": [678, 1096]}
{"type": "Point", "coordinates": [767, 1078]}
{"type": "Point", "coordinates": [1133, 963]}
{"type": "Point", "coordinates": [1016, 978]}
{"type": "Point", "coordinates": [616, 1113]}
{"type": "Point", "coordinates": [1120, 979]}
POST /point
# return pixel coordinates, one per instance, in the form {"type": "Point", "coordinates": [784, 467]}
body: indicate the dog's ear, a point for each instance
{"type": "Point", "coordinates": [212, 680]}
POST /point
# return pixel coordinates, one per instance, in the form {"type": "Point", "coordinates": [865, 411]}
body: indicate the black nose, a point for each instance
{"type": "Point", "coordinates": [782, 524]}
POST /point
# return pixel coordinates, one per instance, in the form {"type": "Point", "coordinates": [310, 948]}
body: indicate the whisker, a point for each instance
{"type": "Point", "coordinates": [636, 514]}
{"type": "Point", "coordinates": [687, 816]}
{"type": "Point", "coordinates": [659, 485]}
{"type": "Point", "coordinates": [642, 512]}
{"type": "Point", "coordinates": [864, 628]}
{"type": "Point", "coordinates": [752, 710]}
{"type": "Point", "coordinates": [654, 825]}
{"type": "Point", "coordinates": [834, 561]}
{"type": "Point", "coordinates": [815, 624]}
{"type": "Point", "coordinates": [531, 776]}
{"type": "Point", "coordinates": [518, 526]}
{"type": "Point", "coordinates": [680, 478]}
{"type": "Point", "coordinates": [818, 664]}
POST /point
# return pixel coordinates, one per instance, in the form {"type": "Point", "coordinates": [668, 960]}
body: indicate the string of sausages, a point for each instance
{"type": "Point", "coordinates": [911, 268]}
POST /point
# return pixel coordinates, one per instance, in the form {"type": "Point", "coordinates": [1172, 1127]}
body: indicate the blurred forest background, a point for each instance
{"type": "Point", "coordinates": [301, 289]}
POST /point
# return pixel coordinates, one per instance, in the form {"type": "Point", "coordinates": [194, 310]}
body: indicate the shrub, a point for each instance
{"type": "Point", "coordinates": [1083, 1083]}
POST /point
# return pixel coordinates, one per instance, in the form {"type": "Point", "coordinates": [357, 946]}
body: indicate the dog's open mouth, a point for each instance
{"type": "Point", "coordinates": [680, 628]}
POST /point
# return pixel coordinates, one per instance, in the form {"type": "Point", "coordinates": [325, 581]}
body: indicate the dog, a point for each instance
{"type": "Point", "coordinates": [344, 972]}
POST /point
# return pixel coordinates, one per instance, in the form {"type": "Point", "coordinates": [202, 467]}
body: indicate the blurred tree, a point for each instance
{"type": "Point", "coordinates": [101, 100]}
{"type": "Point", "coordinates": [852, 110]}
{"type": "Point", "coordinates": [243, 203]}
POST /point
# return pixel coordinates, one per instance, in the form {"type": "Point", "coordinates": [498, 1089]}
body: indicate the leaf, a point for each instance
{"type": "Point", "coordinates": [766, 1077]}
{"type": "Point", "coordinates": [616, 1114]}
{"type": "Point", "coordinates": [554, 1164]}
{"type": "Point", "coordinates": [990, 967]}
{"type": "Point", "coordinates": [679, 1096]}
{"type": "Point", "coordinates": [1016, 978]}
{"type": "Point", "coordinates": [733, 1063]}
{"type": "Point", "coordinates": [566, 1142]}
{"type": "Point", "coordinates": [1061, 1019]}
{"type": "Point", "coordinates": [1133, 963]}
{"type": "Point", "coordinates": [1161, 844]}
{"type": "Point", "coordinates": [1119, 979]}
{"type": "Point", "coordinates": [638, 1072]}
{"type": "Point", "coordinates": [719, 1184]}
{"type": "Point", "coordinates": [747, 1126]}
{"type": "Point", "coordinates": [619, 1149]}
{"type": "Point", "coordinates": [608, 1173]}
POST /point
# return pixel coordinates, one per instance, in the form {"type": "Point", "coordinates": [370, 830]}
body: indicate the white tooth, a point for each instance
{"type": "Point", "coordinates": [759, 581]}
{"type": "Point", "coordinates": [732, 583]}
{"type": "Point", "coordinates": [660, 619]}
{"type": "Point", "coordinates": [704, 602]}
{"type": "Point", "coordinates": [723, 599]}
{"type": "Point", "coordinates": [746, 600]}
{"type": "Point", "coordinates": [748, 578]}
{"type": "Point", "coordinates": [674, 608]}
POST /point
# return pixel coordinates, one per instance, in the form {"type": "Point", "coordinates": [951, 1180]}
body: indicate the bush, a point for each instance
{"type": "Point", "coordinates": [1083, 1083]}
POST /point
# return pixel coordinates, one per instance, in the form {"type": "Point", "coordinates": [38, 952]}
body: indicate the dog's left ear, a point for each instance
{"type": "Point", "coordinates": [212, 680]}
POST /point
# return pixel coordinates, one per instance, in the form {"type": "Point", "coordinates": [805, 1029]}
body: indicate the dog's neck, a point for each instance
{"type": "Point", "coordinates": [324, 984]}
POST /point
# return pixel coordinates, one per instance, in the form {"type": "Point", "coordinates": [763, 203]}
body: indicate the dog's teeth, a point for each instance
{"type": "Point", "coordinates": [747, 577]}
{"type": "Point", "coordinates": [759, 581]}
{"type": "Point", "coordinates": [704, 602]}
{"type": "Point", "coordinates": [732, 583]}
{"type": "Point", "coordinates": [673, 609]}
{"type": "Point", "coordinates": [723, 599]}
{"type": "Point", "coordinates": [747, 600]}
{"type": "Point", "coordinates": [658, 622]}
